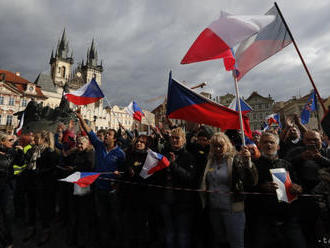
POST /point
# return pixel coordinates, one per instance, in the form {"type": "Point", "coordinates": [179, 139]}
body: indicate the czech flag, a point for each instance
{"type": "Point", "coordinates": [20, 127]}
{"type": "Point", "coordinates": [273, 119]}
{"type": "Point", "coordinates": [154, 162]}
{"type": "Point", "coordinates": [245, 107]}
{"type": "Point", "coordinates": [135, 111]}
{"type": "Point", "coordinates": [282, 178]}
{"type": "Point", "coordinates": [221, 35]}
{"type": "Point", "coordinates": [184, 104]}
{"type": "Point", "coordinates": [88, 93]}
{"type": "Point", "coordinates": [83, 179]}
{"type": "Point", "coordinates": [262, 45]}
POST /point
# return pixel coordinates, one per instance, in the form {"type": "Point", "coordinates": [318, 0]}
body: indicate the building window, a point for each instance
{"type": "Point", "coordinates": [11, 101]}
{"type": "Point", "coordinates": [9, 120]}
{"type": "Point", "coordinates": [63, 71]}
{"type": "Point", "coordinates": [24, 102]}
{"type": "Point", "coordinates": [1, 100]}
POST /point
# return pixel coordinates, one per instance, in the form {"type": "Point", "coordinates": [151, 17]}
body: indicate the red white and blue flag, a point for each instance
{"type": "Point", "coordinates": [88, 93]}
{"type": "Point", "coordinates": [262, 45]}
{"type": "Point", "coordinates": [135, 111]}
{"type": "Point", "coordinates": [154, 162]}
{"type": "Point", "coordinates": [273, 119]}
{"type": "Point", "coordinates": [83, 179]}
{"type": "Point", "coordinates": [220, 36]}
{"type": "Point", "coordinates": [282, 178]}
{"type": "Point", "coordinates": [245, 107]}
{"type": "Point", "coordinates": [309, 107]}
{"type": "Point", "coordinates": [20, 127]}
{"type": "Point", "coordinates": [185, 104]}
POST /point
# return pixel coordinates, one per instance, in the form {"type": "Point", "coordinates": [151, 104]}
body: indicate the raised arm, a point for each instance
{"type": "Point", "coordinates": [82, 122]}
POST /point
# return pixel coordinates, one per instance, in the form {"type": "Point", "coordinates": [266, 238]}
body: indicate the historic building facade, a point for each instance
{"type": "Point", "coordinates": [15, 93]}
{"type": "Point", "coordinates": [64, 76]}
{"type": "Point", "coordinates": [262, 106]}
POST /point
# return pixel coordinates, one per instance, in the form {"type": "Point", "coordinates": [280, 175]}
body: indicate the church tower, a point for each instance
{"type": "Point", "coordinates": [91, 68]}
{"type": "Point", "coordinates": [61, 62]}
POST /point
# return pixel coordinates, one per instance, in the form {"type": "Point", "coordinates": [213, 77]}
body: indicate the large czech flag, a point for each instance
{"type": "Point", "coordinates": [88, 93]}
{"type": "Point", "coordinates": [220, 36]}
{"type": "Point", "coordinates": [262, 45]}
{"type": "Point", "coordinates": [184, 104]}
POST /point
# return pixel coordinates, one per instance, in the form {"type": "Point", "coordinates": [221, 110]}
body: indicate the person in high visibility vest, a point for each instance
{"type": "Point", "coordinates": [25, 142]}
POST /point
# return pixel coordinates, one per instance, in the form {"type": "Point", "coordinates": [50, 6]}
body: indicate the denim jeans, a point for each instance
{"type": "Point", "coordinates": [228, 227]}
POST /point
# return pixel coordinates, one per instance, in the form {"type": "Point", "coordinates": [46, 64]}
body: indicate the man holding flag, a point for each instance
{"type": "Point", "coordinates": [109, 158]}
{"type": "Point", "coordinates": [271, 218]}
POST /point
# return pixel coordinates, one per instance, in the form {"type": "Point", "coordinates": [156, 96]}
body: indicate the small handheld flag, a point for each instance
{"type": "Point", "coordinates": [309, 107]}
{"type": "Point", "coordinates": [20, 127]}
{"type": "Point", "coordinates": [83, 179]}
{"type": "Point", "coordinates": [88, 93]}
{"type": "Point", "coordinates": [282, 178]}
{"type": "Point", "coordinates": [135, 111]}
{"type": "Point", "coordinates": [154, 162]}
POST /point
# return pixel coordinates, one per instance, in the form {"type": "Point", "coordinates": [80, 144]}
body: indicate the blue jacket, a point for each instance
{"type": "Point", "coordinates": [105, 161]}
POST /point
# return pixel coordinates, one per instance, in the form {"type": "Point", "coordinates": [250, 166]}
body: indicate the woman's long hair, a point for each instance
{"type": "Point", "coordinates": [221, 138]}
{"type": "Point", "coordinates": [47, 137]}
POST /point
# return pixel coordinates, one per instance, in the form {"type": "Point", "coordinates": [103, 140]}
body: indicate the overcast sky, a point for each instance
{"type": "Point", "coordinates": [139, 41]}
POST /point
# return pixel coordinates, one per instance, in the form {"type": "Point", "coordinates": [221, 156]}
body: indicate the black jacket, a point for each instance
{"type": "Point", "coordinates": [181, 173]}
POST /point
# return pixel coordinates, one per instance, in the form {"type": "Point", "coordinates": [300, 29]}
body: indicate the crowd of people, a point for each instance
{"type": "Point", "coordinates": [215, 192]}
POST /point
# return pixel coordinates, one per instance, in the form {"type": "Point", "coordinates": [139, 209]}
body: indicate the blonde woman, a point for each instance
{"type": "Point", "coordinates": [226, 173]}
{"type": "Point", "coordinates": [40, 192]}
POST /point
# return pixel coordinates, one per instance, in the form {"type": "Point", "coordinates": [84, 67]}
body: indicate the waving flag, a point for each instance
{"type": "Point", "coordinates": [282, 178]}
{"type": "Point", "coordinates": [88, 93]}
{"type": "Point", "coordinates": [184, 104]}
{"type": "Point", "coordinates": [135, 111]}
{"type": "Point", "coordinates": [273, 119]}
{"type": "Point", "coordinates": [309, 107]}
{"type": "Point", "coordinates": [228, 30]}
{"type": "Point", "coordinates": [20, 127]}
{"type": "Point", "coordinates": [83, 179]}
{"type": "Point", "coordinates": [270, 40]}
{"type": "Point", "coordinates": [245, 107]}
{"type": "Point", "coordinates": [154, 162]}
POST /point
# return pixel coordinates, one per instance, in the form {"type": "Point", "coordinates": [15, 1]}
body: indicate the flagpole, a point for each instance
{"type": "Point", "coordinates": [301, 58]}
{"type": "Point", "coordinates": [239, 111]}
{"type": "Point", "coordinates": [106, 99]}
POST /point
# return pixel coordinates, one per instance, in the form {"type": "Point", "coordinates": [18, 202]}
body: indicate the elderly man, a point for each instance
{"type": "Point", "coordinates": [307, 161]}
{"type": "Point", "coordinates": [276, 222]}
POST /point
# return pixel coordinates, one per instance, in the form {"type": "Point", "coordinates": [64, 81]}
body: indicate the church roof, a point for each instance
{"type": "Point", "coordinates": [45, 82]}
{"type": "Point", "coordinates": [19, 83]}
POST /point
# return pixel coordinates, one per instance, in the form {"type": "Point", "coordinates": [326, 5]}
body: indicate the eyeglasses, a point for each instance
{"type": "Point", "coordinates": [141, 141]}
